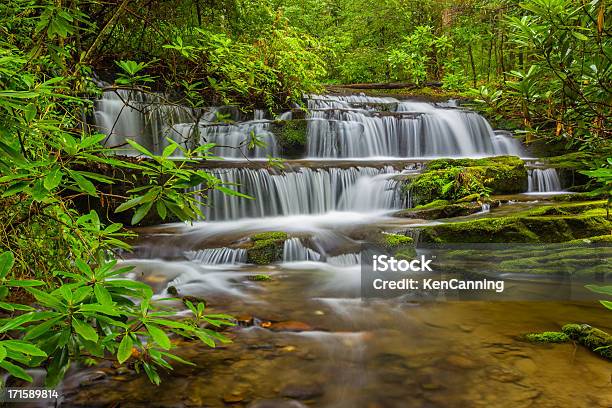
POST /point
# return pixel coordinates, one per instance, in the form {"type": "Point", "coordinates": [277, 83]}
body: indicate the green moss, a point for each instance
{"type": "Point", "coordinates": [594, 339]}
{"type": "Point", "coordinates": [593, 240]}
{"type": "Point", "coordinates": [291, 136]}
{"type": "Point", "coordinates": [260, 277]}
{"type": "Point", "coordinates": [396, 240]}
{"type": "Point", "coordinates": [518, 229]}
{"type": "Point", "coordinates": [433, 204]}
{"type": "Point", "coordinates": [469, 198]}
{"type": "Point", "coordinates": [269, 235]}
{"type": "Point", "coordinates": [431, 212]}
{"type": "Point", "coordinates": [400, 246]}
{"type": "Point", "coordinates": [266, 247]}
{"type": "Point", "coordinates": [547, 337]}
{"type": "Point", "coordinates": [454, 179]}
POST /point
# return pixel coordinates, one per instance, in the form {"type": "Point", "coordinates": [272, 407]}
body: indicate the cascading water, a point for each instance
{"type": "Point", "coordinates": [212, 256]}
{"type": "Point", "coordinates": [349, 127]}
{"type": "Point", "coordinates": [345, 259]}
{"type": "Point", "coordinates": [337, 127]}
{"type": "Point", "coordinates": [146, 118]}
{"type": "Point", "coordinates": [294, 251]}
{"type": "Point", "coordinates": [544, 181]}
{"type": "Point", "coordinates": [304, 191]}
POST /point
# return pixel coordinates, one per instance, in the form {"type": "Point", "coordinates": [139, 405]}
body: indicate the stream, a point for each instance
{"type": "Point", "coordinates": [305, 337]}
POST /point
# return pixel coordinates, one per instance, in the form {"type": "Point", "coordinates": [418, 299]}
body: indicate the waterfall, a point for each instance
{"type": "Point", "coordinates": [232, 139]}
{"type": "Point", "coordinates": [149, 119]}
{"type": "Point", "coordinates": [350, 127]}
{"type": "Point", "coordinates": [215, 256]}
{"type": "Point", "coordinates": [345, 259]}
{"type": "Point", "coordinates": [304, 191]}
{"type": "Point", "coordinates": [353, 126]}
{"type": "Point", "coordinates": [146, 118]}
{"type": "Point", "coordinates": [544, 181]}
{"type": "Point", "coordinates": [294, 251]}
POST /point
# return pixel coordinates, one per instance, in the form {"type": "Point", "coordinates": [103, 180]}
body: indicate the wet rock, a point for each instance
{"type": "Point", "coordinates": [302, 391]}
{"type": "Point", "coordinates": [526, 365]}
{"type": "Point", "coordinates": [276, 403]}
{"type": "Point", "coordinates": [431, 386]}
{"type": "Point", "coordinates": [290, 325]}
{"type": "Point", "coordinates": [266, 247]}
{"type": "Point", "coordinates": [505, 375]}
{"type": "Point", "coordinates": [233, 397]}
{"type": "Point", "coordinates": [461, 362]}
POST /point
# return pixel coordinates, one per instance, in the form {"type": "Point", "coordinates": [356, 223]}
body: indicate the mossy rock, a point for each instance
{"type": "Point", "coordinates": [259, 278]}
{"type": "Point", "coordinates": [266, 247]}
{"type": "Point", "coordinates": [429, 212]}
{"type": "Point", "coordinates": [455, 179]}
{"type": "Point", "coordinates": [400, 246]}
{"type": "Point", "coordinates": [291, 136]}
{"type": "Point", "coordinates": [518, 229]}
{"type": "Point", "coordinates": [393, 241]}
{"type": "Point", "coordinates": [594, 339]}
{"type": "Point", "coordinates": [547, 337]}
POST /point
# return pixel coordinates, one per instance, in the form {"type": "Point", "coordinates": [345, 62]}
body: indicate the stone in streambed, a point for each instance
{"type": "Point", "coordinates": [276, 403]}
{"type": "Point", "coordinates": [290, 325]}
{"type": "Point", "coordinates": [266, 247]}
{"type": "Point", "coordinates": [302, 391]}
{"type": "Point", "coordinates": [594, 339]}
{"type": "Point", "coordinates": [461, 362]}
{"type": "Point", "coordinates": [454, 179]}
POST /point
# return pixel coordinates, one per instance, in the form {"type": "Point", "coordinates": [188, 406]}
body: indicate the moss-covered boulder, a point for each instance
{"type": "Point", "coordinates": [594, 339]}
{"type": "Point", "coordinates": [291, 136]}
{"type": "Point", "coordinates": [550, 223]}
{"type": "Point", "coordinates": [454, 179]}
{"type": "Point", "coordinates": [400, 246]}
{"type": "Point", "coordinates": [442, 210]}
{"type": "Point", "coordinates": [517, 229]}
{"type": "Point", "coordinates": [266, 247]}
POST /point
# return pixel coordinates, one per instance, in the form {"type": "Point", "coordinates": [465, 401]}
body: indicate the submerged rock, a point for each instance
{"type": "Point", "coordinates": [302, 391]}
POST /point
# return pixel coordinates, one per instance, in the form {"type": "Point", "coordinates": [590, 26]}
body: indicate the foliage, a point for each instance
{"type": "Point", "coordinates": [60, 287]}
{"type": "Point", "coordinates": [603, 176]}
{"type": "Point", "coordinates": [547, 337]}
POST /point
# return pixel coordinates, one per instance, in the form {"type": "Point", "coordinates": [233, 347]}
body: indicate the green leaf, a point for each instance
{"type": "Point", "coordinates": [16, 322]}
{"type": "Point", "coordinates": [141, 212]}
{"type": "Point", "coordinates": [580, 36]}
{"type": "Point", "coordinates": [41, 329]}
{"type": "Point", "coordinates": [84, 330]}
{"type": "Point", "coordinates": [159, 336]}
{"type": "Point", "coordinates": [53, 179]}
{"type": "Point", "coordinates": [6, 263]}
{"type": "Point", "coordinates": [2, 352]}
{"type": "Point", "coordinates": [46, 299]}
{"type": "Point", "coordinates": [129, 204]}
{"type": "Point", "coordinates": [140, 148]}
{"type": "Point", "coordinates": [161, 209]}
{"type": "Point", "coordinates": [84, 184]}
{"type": "Point", "coordinates": [102, 295]}
{"type": "Point", "coordinates": [24, 283]}
{"type": "Point", "coordinates": [125, 349]}
{"type": "Point", "coordinates": [15, 371]}
{"type": "Point", "coordinates": [24, 347]}
{"type": "Point", "coordinates": [105, 309]}
{"type": "Point", "coordinates": [607, 304]}
{"type": "Point", "coordinates": [606, 290]}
